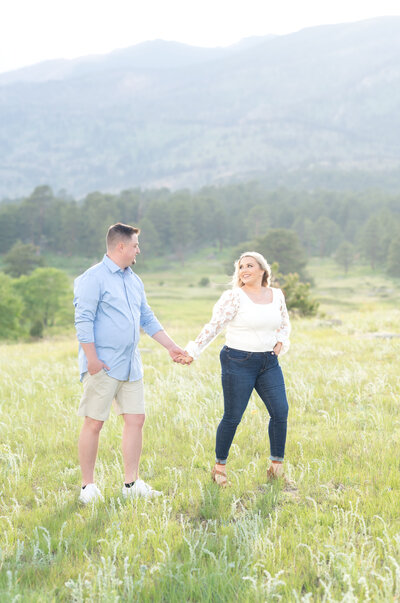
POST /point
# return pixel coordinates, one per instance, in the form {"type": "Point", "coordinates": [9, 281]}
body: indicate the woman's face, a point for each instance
{"type": "Point", "coordinates": [250, 272]}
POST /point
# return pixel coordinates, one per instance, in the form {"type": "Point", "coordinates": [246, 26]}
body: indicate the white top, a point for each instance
{"type": "Point", "coordinates": [251, 327]}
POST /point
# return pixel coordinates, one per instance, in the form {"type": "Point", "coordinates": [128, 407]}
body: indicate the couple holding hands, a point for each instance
{"type": "Point", "coordinates": [111, 307]}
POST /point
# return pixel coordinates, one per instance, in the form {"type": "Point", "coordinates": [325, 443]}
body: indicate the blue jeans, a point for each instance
{"type": "Point", "coordinates": [241, 373]}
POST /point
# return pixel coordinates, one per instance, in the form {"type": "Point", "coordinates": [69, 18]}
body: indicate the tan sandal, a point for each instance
{"type": "Point", "coordinates": [273, 474]}
{"type": "Point", "coordinates": [219, 477]}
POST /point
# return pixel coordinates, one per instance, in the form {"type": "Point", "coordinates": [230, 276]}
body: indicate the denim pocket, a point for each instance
{"type": "Point", "coordinates": [238, 355]}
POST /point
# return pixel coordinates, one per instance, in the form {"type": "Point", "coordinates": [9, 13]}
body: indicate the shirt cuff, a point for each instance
{"type": "Point", "coordinates": [152, 328]}
{"type": "Point", "coordinates": [285, 345]}
{"type": "Point", "coordinates": [192, 350]}
{"type": "Point", "coordinates": [84, 332]}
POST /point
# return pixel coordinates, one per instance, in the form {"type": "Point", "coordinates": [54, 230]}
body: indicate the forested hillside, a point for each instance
{"type": "Point", "coordinates": [178, 223]}
{"type": "Point", "coordinates": [314, 106]}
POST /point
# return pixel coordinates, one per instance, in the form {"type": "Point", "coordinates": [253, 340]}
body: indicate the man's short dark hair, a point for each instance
{"type": "Point", "coordinates": [119, 231]}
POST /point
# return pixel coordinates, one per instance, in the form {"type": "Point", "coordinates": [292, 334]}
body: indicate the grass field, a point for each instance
{"type": "Point", "coordinates": [335, 537]}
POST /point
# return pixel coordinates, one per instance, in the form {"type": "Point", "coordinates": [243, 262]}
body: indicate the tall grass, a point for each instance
{"type": "Point", "coordinates": [333, 537]}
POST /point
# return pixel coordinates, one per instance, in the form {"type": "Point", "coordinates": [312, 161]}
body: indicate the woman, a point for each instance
{"type": "Point", "coordinates": [257, 332]}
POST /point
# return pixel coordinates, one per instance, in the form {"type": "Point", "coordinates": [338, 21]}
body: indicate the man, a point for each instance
{"type": "Point", "coordinates": [110, 307]}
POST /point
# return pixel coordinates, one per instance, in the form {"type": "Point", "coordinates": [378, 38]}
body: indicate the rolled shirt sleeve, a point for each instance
{"type": "Point", "coordinates": [86, 300]}
{"type": "Point", "coordinates": [148, 321]}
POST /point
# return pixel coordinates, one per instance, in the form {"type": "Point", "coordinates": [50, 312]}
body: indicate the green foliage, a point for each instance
{"type": "Point", "coordinates": [306, 230]}
{"type": "Point", "coordinates": [180, 223]}
{"type": "Point", "coordinates": [22, 259]}
{"type": "Point", "coordinates": [258, 221]}
{"type": "Point", "coordinates": [10, 309]}
{"type": "Point", "coordinates": [344, 255]}
{"type": "Point", "coordinates": [45, 293]}
{"type": "Point", "coordinates": [150, 244]}
{"type": "Point", "coordinates": [36, 329]}
{"type": "Point", "coordinates": [40, 206]}
{"type": "Point", "coordinates": [376, 235]}
{"type": "Point", "coordinates": [327, 235]}
{"type": "Point", "coordinates": [181, 229]}
{"type": "Point", "coordinates": [297, 294]}
{"type": "Point", "coordinates": [158, 215]}
{"type": "Point", "coordinates": [370, 241]}
{"type": "Point", "coordinates": [393, 262]}
{"type": "Point", "coordinates": [204, 281]}
{"type": "Point", "coordinates": [283, 246]}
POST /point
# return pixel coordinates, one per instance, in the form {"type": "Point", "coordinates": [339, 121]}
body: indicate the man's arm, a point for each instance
{"type": "Point", "coordinates": [86, 301]}
{"type": "Point", "coordinates": [174, 350]}
{"type": "Point", "coordinates": [94, 364]}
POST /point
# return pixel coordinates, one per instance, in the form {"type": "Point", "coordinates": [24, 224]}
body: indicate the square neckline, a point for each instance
{"type": "Point", "coordinates": [255, 303]}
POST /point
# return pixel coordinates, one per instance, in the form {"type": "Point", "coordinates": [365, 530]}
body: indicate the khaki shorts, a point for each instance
{"type": "Point", "coordinates": [99, 392]}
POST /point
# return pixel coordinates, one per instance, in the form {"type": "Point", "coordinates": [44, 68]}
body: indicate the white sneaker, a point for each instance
{"type": "Point", "coordinates": [140, 489]}
{"type": "Point", "coordinates": [90, 494]}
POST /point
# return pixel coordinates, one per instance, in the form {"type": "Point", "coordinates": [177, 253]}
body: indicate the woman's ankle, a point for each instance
{"type": "Point", "coordinates": [220, 466]}
{"type": "Point", "coordinates": [276, 469]}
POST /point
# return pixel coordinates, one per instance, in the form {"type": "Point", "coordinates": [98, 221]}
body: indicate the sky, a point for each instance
{"type": "Point", "coordinates": [32, 31]}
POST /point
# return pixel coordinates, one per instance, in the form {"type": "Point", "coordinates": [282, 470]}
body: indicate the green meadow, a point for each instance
{"type": "Point", "coordinates": [334, 536]}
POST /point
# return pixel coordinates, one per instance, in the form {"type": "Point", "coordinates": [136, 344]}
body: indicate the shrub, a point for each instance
{"type": "Point", "coordinates": [298, 297]}
{"type": "Point", "coordinates": [36, 329]}
{"type": "Point", "coordinates": [10, 309]}
{"type": "Point", "coordinates": [393, 260]}
{"type": "Point", "coordinates": [46, 295]}
{"type": "Point", "coordinates": [297, 293]}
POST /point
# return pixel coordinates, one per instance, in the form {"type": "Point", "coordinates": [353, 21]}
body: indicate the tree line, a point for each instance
{"type": "Point", "coordinates": [180, 222]}
{"type": "Point", "coordinates": [287, 227]}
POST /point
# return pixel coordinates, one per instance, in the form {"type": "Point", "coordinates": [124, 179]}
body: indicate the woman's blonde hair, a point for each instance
{"type": "Point", "coordinates": [261, 261]}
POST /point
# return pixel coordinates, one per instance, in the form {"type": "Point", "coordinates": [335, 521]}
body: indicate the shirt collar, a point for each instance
{"type": "Point", "coordinates": [113, 267]}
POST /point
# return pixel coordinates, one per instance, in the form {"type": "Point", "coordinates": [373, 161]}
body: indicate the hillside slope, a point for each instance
{"type": "Point", "coordinates": [166, 114]}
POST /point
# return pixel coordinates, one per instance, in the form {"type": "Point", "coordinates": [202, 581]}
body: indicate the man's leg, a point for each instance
{"type": "Point", "coordinates": [88, 445]}
{"type": "Point", "coordinates": [132, 438]}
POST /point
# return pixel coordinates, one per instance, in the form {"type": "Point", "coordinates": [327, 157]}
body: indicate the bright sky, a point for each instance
{"type": "Point", "coordinates": [36, 30]}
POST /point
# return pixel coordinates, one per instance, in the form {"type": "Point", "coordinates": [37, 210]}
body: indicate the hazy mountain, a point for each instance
{"type": "Point", "coordinates": [157, 54]}
{"type": "Point", "coordinates": [323, 100]}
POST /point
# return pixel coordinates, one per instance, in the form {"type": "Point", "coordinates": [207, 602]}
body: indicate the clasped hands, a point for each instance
{"type": "Point", "coordinates": [180, 356]}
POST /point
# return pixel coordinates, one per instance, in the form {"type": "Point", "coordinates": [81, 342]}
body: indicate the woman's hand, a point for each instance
{"type": "Point", "coordinates": [184, 359]}
{"type": "Point", "coordinates": [278, 348]}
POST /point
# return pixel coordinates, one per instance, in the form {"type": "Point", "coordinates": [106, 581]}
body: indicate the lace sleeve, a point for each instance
{"type": "Point", "coordinates": [283, 332]}
{"type": "Point", "coordinates": [224, 311]}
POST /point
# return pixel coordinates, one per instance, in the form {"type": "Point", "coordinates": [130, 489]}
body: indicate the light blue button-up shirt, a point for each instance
{"type": "Point", "coordinates": [110, 307]}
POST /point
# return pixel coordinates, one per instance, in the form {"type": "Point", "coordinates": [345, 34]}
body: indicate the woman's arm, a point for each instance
{"type": "Point", "coordinates": [283, 332]}
{"type": "Point", "coordinates": [224, 311]}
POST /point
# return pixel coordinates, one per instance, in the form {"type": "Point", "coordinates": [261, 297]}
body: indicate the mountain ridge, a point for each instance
{"type": "Point", "coordinates": [152, 54]}
{"type": "Point", "coordinates": [325, 97]}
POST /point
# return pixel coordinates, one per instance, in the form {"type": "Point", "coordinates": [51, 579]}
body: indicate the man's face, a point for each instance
{"type": "Point", "coordinates": [130, 250]}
